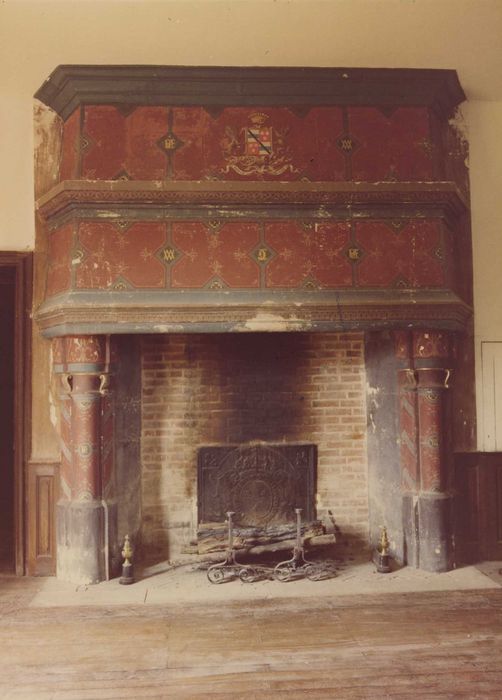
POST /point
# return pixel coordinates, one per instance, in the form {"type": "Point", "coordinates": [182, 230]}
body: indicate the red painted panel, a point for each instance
{"type": "Point", "coordinates": [104, 151]}
{"type": "Point", "coordinates": [59, 270]}
{"type": "Point", "coordinates": [86, 437]}
{"type": "Point", "coordinates": [408, 438]}
{"type": "Point", "coordinates": [402, 344]}
{"type": "Point", "coordinates": [397, 147]}
{"type": "Point", "coordinates": [144, 158]}
{"type": "Point", "coordinates": [448, 254]}
{"type": "Point", "coordinates": [405, 256]}
{"type": "Point", "coordinates": [431, 429]}
{"type": "Point", "coordinates": [327, 161]}
{"type": "Point", "coordinates": [85, 349]}
{"type": "Point", "coordinates": [193, 127]}
{"type": "Point", "coordinates": [223, 252]}
{"type": "Point", "coordinates": [258, 144]}
{"type": "Point", "coordinates": [124, 145]}
{"type": "Point", "coordinates": [242, 143]}
{"type": "Point", "coordinates": [428, 344]}
{"type": "Point", "coordinates": [311, 252]}
{"type": "Point", "coordinates": [70, 147]}
{"type": "Point", "coordinates": [114, 255]}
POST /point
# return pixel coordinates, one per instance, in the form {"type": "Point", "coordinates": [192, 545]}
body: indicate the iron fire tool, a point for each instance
{"type": "Point", "coordinates": [298, 566]}
{"type": "Point", "coordinates": [230, 568]}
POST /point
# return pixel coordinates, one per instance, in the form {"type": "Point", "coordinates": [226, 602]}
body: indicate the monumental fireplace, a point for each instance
{"type": "Point", "coordinates": [256, 260]}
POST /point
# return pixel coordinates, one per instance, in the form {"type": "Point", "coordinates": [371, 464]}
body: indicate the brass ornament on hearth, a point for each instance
{"type": "Point", "coordinates": [127, 567]}
{"type": "Point", "coordinates": [384, 541]}
{"type": "Point", "coordinates": [382, 556]}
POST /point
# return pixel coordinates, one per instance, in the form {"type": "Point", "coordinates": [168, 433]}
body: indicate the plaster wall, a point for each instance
{"type": "Point", "coordinates": [484, 120]}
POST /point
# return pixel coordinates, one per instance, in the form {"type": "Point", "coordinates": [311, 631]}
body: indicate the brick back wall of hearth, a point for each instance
{"type": "Point", "coordinates": [218, 389]}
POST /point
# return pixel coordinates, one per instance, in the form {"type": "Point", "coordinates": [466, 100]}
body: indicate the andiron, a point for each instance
{"type": "Point", "coordinates": [230, 569]}
{"type": "Point", "coordinates": [298, 566]}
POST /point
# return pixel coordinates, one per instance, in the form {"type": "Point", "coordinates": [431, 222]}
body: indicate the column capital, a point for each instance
{"type": "Point", "coordinates": [433, 377]}
{"type": "Point", "coordinates": [422, 378]}
{"type": "Point", "coordinates": [88, 383]}
{"type": "Point", "coordinates": [83, 354]}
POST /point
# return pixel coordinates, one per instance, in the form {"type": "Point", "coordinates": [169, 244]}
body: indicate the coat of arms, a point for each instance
{"type": "Point", "coordinates": [257, 149]}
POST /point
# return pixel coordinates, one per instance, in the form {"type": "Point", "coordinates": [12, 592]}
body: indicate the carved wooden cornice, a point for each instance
{"type": "Point", "coordinates": [118, 193]}
{"type": "Point", "coordinates": [70, 86]}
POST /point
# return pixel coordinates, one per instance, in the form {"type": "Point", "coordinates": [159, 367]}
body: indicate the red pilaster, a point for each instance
{"type": "Point", "coordinates": [431, 385]}
{"type": "Point", "coordinates": [83, 516]}
{"type": "Point", "coordinates": [423, 380]}
{"type": "Point", "coordinates": [86, 437]}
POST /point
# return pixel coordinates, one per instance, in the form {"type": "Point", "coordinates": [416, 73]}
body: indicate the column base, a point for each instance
{"type": "Point", "coordinates": [435, 532]}
{"type": "Point", "coordinates": [427, 519]}
{"type": "Point", "coordinates": [81, 553]}
{"type": "Point", "coordinates": [410, 530]}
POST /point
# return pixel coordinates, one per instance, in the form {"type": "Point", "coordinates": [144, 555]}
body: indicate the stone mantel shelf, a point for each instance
{"type": "Point", "coordinates": [70, 86]}
{"type": "Point", "coordinates": [114, 193]}
{"type": "Point", "coordinates": [201, 312]}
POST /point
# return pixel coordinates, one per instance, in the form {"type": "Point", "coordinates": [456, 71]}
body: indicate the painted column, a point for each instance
{"type": "Point", "coordinates": [408, 443]}
{"type": "Point", "coordinates": [427, 500]}
{"type": "Point", "coordinates": [432, 359]}
{"type": "Point", "coordinates": [83, 518]}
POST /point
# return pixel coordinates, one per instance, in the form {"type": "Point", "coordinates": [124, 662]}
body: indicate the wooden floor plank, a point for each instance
{"type": "Point", "coordinates": [426, 645]}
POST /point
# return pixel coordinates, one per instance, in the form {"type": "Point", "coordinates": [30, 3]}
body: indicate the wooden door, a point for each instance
{"type": "Point", "coordinates": [478, 513]}
{"type": "Point", "coordinates": [15, 330]}
{"type": "Point", "coordinates": [7, 529]}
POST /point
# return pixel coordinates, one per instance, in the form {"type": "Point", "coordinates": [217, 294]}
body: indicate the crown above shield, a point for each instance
{"type": "Point", "coordinates": [258, 118]}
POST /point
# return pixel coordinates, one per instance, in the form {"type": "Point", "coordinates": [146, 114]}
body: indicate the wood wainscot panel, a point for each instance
{"type": "Point", "coordinates": [43, 493]}
{"type": "Point", "coordinates": [478, 512]}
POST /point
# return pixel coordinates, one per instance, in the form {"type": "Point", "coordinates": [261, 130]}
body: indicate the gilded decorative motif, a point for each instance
{"type": "Point", "coordinates": [120, 285]}
{"type": "Point", "coordinates": [262, 254]}
{"type": "Point", "coordinates": [257, 149]}
{"type": "Point", "coordinates": [58, 351]}
{"type": "Point", "coordinates": [216, 284]}
{"type": "Point", "coordinates": [431, 344]}
{"type": "Point", "coordinates": [354, 253]}
{"type": "Point", "coordinates": [431, 396]}
{"type": "Point", "coordinates": [169, 255]}
{"type": "Point", "coordinates": [346, 144]}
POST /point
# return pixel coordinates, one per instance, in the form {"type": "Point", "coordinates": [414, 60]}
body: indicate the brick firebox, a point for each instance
{"type": "Point", "coordinates": [225, 389]}
{"type": "Point", "coordinates": [237, 255]}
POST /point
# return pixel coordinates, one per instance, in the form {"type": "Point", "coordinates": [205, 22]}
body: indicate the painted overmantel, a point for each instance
{"type": "Point", "coordinates": [222, 199]}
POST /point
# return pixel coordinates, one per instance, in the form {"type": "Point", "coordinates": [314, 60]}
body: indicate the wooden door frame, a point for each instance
{"type": "Point", "coordinates": [22, 264]}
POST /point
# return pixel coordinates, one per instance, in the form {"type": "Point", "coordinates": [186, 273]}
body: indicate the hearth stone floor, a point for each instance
{"type": "Point", "coordinates": [175, 636]}
{"type": "Point", "coordinates": [187, 583]}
